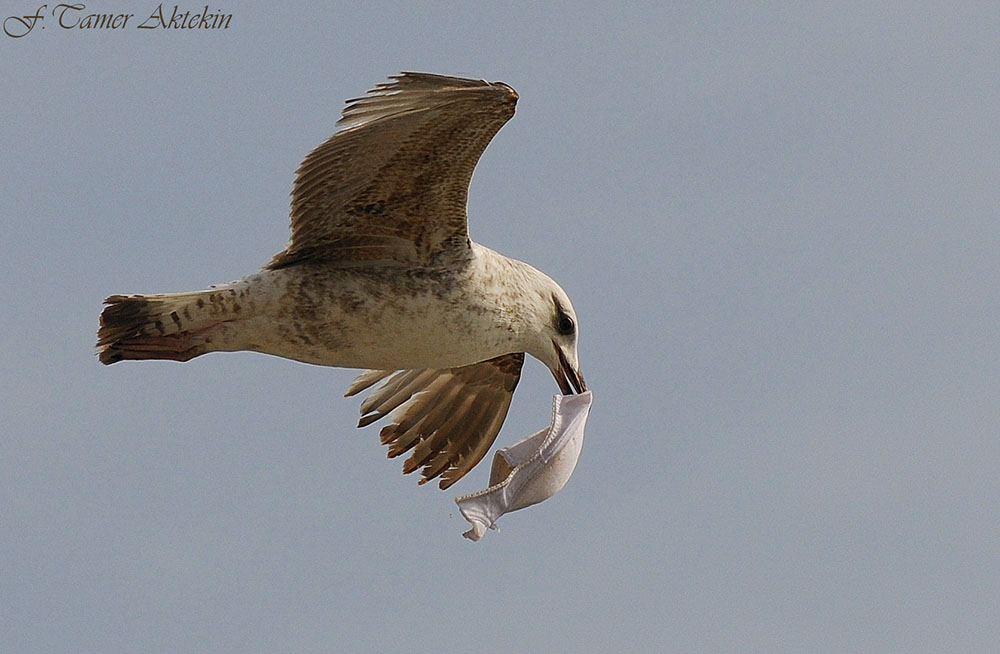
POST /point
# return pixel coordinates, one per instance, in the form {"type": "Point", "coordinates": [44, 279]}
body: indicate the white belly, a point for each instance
{"type": "Point", "coordinates": [358, 319]}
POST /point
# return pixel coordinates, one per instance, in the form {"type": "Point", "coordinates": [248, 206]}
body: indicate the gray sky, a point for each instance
{"type": "Point", "coordinates": [779, 227]}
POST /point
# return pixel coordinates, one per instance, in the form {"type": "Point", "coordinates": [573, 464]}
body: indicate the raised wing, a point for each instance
{"type": "Point", "coordinates": [391, 186]}
{"type": "Point", "coordinates": [449, 418]}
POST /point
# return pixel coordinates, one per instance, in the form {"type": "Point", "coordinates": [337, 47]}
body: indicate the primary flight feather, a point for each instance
{"type": "Point", "coordinates": [380, 274]}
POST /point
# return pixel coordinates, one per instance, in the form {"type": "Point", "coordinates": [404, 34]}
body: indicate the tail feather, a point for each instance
{"type": "Point", "coordinates": [169, 326]}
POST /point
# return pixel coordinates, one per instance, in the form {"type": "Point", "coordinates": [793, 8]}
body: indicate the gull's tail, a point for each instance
{"type": "Point", "coordinates": [174, 326]}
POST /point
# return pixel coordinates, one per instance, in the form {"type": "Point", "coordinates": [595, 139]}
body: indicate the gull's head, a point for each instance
{"type": "Point", "coordinates": [554, 342]}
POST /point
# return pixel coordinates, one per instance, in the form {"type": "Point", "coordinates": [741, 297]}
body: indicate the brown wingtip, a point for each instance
{"type": "Point", "coordinates": [512, 94]}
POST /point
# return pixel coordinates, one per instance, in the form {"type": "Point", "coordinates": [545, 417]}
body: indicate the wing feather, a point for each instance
{"type": "Point", "coordinates": [391, 186]}
{"type": "Point", "coordinates": [449, 418]}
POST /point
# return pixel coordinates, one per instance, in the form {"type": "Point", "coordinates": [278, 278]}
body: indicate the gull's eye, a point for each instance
{"type": "Point", "coordinates": [565, 325]}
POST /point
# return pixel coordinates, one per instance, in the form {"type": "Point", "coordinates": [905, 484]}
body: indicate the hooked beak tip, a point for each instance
{"type": "Point", "coordinates": [570, 380]}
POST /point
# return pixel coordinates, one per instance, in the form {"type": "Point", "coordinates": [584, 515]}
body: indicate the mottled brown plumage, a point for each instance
{"type": "Point", "coordinates": [450, 418]}
{"type": "Point", "coordinates": [380, 273]}
{"type": "Point", "coordinates": [407, 150]}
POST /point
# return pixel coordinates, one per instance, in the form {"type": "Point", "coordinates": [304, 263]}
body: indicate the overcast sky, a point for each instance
{"type": "Point", "coordinates": [779, 226]}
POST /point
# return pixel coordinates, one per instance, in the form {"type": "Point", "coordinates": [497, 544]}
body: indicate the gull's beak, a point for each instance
{"type": "Point", "coordinates": [570, 379]}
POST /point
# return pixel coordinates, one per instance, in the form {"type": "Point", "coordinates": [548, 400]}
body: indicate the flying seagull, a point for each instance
{"type": "Point", "coordinates": [380, 273]}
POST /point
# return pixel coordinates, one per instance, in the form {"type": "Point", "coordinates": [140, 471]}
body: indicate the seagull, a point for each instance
{"type": "Point", "coordinates": [380, 274]}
